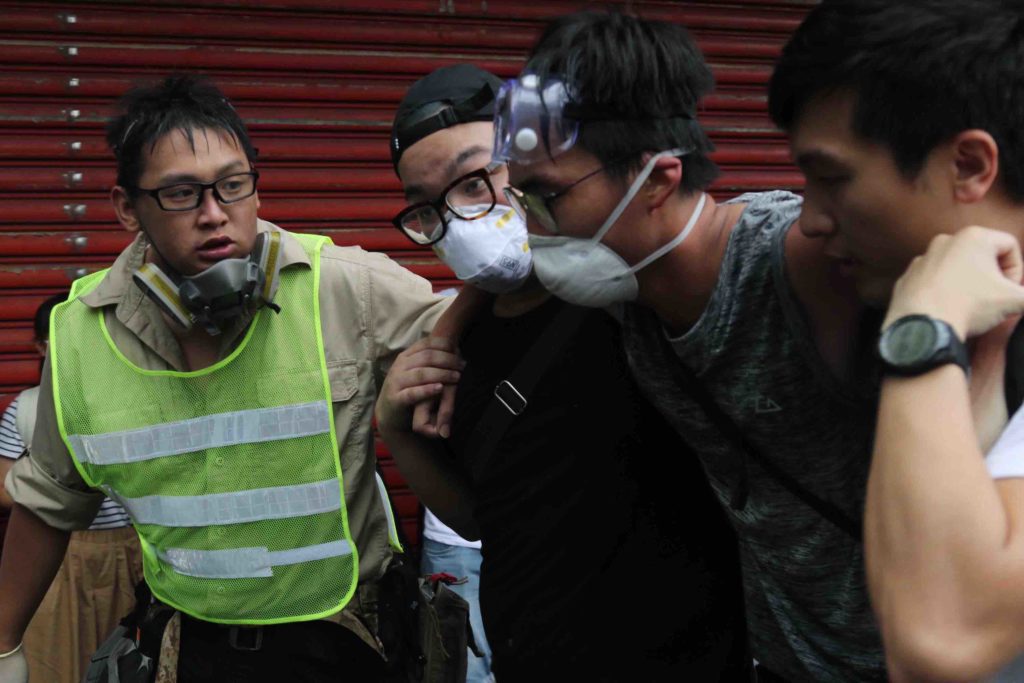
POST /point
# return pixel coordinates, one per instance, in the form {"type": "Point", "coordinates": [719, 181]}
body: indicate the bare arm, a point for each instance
{"type": "Point", "coordinates": [432, 418]}
{"type": "Point", "coordinates": [420, 373]}
{"type": "Point", "coordinates": [944, 542]}
{"type": "Point", "coordinates": [33, 552]}
{"type": "Point", "coordinates": [945, 553]}
{"type": "Point", "coordinates": [466, 305]}
{"type": "Point", "coordinates": [440, 483]}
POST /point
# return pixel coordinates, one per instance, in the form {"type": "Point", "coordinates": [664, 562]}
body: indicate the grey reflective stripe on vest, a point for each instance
{"type": "Point", "coordinates": [246, 563]}
{"type": "Point", "coordinates": [200, 433]}
{"type": "Point", "coordinates": [278, 502]}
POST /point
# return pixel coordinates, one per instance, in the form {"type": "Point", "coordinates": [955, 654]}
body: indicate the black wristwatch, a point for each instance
{"type": "Point", "coordinates": [915, 344]}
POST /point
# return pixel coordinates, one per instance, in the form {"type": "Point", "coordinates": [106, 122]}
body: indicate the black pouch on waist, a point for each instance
{"type": "Point", "coordinates": [397, 600]}
{"type": "Point", "coordinates": [445, 633]}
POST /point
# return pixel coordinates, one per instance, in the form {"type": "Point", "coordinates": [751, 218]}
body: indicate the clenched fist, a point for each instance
{"type": "Point", "coordinates": [971, 280]}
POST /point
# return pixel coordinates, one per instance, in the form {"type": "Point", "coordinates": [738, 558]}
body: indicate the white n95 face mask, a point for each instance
{"type": "Point", "coordinates": [491, 252]}
{"type": "Point", "coordinates": [586, 272]}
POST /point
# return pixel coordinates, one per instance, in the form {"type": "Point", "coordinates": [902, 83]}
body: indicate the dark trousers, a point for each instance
{"type": "Point", "coordinates": [300, 652]}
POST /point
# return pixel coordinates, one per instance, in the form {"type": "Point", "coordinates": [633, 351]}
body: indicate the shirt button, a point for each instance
{"type": "Point", "coordinates": [222, 532]}
{"type": "Point", "coordinates": [218, 461]}
{"type": "Point", "coordinates": [220, 590]}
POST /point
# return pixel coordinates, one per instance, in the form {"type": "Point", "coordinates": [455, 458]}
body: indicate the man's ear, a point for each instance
{"type": "Point", "coordinates": [663, 181]}
{"type": "Point", "coordinates": [976, 164]}
{"type": "Point", "coordinates": [124, 207]}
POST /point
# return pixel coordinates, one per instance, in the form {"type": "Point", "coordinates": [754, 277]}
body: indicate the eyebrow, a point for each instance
{"type": "Point", "coordinates": [224, 170]}
{"type": "Point", "coordinates": [413, 191]}
{"type": "Point", "coordinates": [450, 169]}
{"type": "Point", "coordinates": [461, 158]}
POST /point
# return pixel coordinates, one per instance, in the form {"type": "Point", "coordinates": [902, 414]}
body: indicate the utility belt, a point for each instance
{"type": "Point", "coordinates": [131, 653]}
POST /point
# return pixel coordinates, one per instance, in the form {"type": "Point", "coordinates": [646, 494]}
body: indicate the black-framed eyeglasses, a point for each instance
{"type": "Point", "coordinates": [189, 196]}
{"type": "Point", "coordinates": [468, 197]}
{"type": "Point", "coordinates": [539, 205]}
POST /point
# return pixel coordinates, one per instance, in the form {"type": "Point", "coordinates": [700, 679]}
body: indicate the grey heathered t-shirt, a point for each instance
{"type": "Point", "coordinates": [807, 603]}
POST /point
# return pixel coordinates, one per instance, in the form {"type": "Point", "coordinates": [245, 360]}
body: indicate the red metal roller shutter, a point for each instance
{"type": "Point", "coordinates": [317, 80]}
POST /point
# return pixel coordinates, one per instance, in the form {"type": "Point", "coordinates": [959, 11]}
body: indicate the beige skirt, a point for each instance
{"type": "Point", "coordinates": [93, 590]}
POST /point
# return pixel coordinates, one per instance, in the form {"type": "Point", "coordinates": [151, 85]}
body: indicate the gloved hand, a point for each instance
{"type": "Point", "coordinates": [13, 666]}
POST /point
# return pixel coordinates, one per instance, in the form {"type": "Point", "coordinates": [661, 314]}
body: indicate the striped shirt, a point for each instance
{"type": "Point", "coordinates": [110, 516]}
{"type": "Point", "coordinates": [11, 445]}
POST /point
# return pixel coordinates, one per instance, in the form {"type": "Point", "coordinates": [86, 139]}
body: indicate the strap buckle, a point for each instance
{"type": "Point", "coordinates": [510, 397]}
{"type": "Point", "coordinates": [251, 640]}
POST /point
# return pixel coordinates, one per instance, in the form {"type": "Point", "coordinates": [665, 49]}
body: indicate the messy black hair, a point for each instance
{"type": "Point", "coordinates": [920, 72]}
{"type": "Point", "coordinates": [182, 102]}
{"type": "Point", "coordinates": [642, 79]}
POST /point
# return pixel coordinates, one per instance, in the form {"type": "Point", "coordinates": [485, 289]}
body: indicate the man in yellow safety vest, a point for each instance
{"type": "Point", "coordinates": [218, 381]}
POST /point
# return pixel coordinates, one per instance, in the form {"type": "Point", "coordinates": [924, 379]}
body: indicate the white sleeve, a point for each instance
{"type": "Point", "coordinates": [11, 445]}
{"type": "Point", "coordinates": [1006, 458]}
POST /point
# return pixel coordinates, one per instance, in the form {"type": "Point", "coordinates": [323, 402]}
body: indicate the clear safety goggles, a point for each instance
{"type": "Point", "coordinates": [530, 123]}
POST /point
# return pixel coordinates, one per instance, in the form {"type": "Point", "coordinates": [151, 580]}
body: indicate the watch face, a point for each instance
{"type": "Point", "coordinates": [910, 342]}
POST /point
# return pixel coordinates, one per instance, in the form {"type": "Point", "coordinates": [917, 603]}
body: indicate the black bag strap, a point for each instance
{"type": "Point", "coordinates": [691, 385]}
{"type": "Point", "coordinates": [511, 396]}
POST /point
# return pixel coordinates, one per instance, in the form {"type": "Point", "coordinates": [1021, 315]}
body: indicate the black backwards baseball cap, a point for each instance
{"type": "Point", "coordinates": [443, 98]}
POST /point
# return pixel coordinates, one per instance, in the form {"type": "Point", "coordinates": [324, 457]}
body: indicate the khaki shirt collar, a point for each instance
{"type": "Point", "coordinates": [143, 318]}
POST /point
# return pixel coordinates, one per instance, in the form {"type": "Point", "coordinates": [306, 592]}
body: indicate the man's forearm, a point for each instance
{"type": "Point", "coordinates": [934, 521]}
{"type": "Point", "coordinates": [33, 552]}
{"type": "Point", "coordinates": [437, 481]}
{"type": "Point", "coordinates": [467, 304]}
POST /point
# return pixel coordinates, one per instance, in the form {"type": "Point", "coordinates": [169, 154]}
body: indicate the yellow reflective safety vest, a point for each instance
{"type": "Point", "coordinates": [231, 473]}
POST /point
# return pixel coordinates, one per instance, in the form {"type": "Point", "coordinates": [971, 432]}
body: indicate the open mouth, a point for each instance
{"type": "Point", "coordinates": [216, 248]}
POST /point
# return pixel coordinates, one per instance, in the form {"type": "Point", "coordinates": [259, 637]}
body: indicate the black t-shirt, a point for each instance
{"type": "Point", "coordinates": [604, 551]}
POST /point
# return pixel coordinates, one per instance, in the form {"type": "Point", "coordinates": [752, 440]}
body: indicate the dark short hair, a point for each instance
{"type": "Point", "coordinates": [920, 72]}
{"type": "Point", "coordinates": [183, 102]}
{"type": "Point", "coordinates": [644, 77]}
{"type": "Point", "coordinates": [41, 324]}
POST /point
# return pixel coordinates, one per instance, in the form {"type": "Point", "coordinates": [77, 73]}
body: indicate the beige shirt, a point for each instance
{"type": "Point", "coordinates": [371, 308]}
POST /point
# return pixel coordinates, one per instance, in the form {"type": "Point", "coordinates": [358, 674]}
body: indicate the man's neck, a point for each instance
{"type": "Point", "coordinates": [679, 285]}
{"type": "Point", "coordinates": [528, 297]}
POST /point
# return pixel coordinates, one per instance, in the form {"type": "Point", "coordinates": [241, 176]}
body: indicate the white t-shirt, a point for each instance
{"type": "Point", "coordinates": [435, 530]}
{"type": "Point", "coordinates": [1005, 461]}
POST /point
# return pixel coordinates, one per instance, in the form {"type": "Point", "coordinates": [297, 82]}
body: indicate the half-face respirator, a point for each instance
{"type": "Point", "coordinates": [222, 292]}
